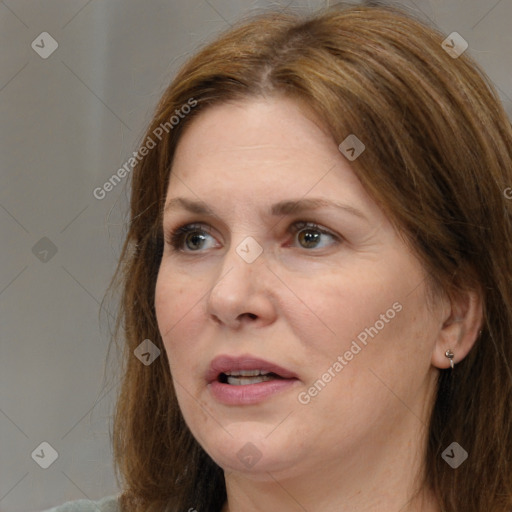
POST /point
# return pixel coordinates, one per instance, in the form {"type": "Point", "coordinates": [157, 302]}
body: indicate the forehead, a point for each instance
{"type": "Point", "coordinates": [272, 140]}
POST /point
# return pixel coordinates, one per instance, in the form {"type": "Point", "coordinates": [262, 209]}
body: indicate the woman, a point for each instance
{"type": "Point", "coordinates": [319, 249]}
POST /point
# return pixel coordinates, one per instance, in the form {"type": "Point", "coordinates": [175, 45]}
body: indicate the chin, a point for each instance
{"type": "Point", "coordinates": [249, 451]}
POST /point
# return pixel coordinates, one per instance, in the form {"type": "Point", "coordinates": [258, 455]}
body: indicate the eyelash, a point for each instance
{"type": "Point", "coordinates": [176, 237]}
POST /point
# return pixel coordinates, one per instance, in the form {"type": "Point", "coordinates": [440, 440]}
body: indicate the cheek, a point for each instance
{"type": "Point", "coordinates": [178, 310]}
{"type": "Point", "coordinates": [346, 303]}
{"type": "Point", "coordinates": [377, 317]}
{"type": "Point", "coordinates": [166, 305]}
{"type": "Point", "coordinates": [175, 296]}
{"type": "Point", "coordinates": [177, 306]}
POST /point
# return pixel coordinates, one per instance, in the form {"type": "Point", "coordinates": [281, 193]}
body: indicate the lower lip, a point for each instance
{"type": "Point", "coordinates": [249, 393]}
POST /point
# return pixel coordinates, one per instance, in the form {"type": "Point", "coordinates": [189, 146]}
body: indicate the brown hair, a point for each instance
{"type": "Point", "coordinates": [438, 159]}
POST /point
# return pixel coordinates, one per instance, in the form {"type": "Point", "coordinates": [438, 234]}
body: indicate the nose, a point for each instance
{"type": "Point", "coordinates": [242, 292]}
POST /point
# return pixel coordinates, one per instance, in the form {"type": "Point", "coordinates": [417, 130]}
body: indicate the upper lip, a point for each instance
{"type": "Point", "coordinates": [226, 363]}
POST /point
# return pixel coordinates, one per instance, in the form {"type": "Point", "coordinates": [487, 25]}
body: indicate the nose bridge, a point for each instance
{"type": "Point", "coordinates": [242, 261]}
{"type": "Point", "coordinates": [239, 287]}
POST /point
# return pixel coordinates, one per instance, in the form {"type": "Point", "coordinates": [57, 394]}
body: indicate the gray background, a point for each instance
{"type": "Point", "coordinates": [68, 123]}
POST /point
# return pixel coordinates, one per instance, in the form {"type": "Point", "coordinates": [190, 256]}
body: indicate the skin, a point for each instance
{"type": "Point", "coordinates": [359, 443]}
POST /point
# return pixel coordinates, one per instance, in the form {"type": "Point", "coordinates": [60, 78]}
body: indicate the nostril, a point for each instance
{"type": "Point", "coordinates": [252, 316]}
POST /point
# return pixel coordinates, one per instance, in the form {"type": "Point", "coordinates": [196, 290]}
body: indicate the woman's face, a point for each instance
{"type": "Point", "coordinates": [327, 297]}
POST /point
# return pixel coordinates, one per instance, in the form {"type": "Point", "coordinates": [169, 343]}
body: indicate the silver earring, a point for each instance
{"type": "Point", "coordinates": [449, 354]}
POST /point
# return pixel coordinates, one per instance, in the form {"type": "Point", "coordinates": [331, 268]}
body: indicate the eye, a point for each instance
{"type": "Point", "coordinates": [192, 236]}
{"type": "Point", "coordinates": [310, 234]}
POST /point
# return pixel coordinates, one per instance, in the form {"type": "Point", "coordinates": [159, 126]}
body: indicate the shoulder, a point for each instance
{"type": "Point", "coordinates": [107, 504]}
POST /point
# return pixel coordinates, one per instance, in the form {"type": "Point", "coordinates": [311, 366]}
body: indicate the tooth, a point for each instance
{"type": "Point", "coordinates": [246, 373]}
{"type": "Point", "coordinates": [248, 380]}
{"type": "Point", "coordinates": [250, 373]}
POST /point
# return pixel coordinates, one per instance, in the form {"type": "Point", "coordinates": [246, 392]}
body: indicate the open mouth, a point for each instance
{"type": "Point", "coordinates": [245, 377]}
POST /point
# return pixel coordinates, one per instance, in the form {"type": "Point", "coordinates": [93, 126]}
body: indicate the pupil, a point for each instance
{"type": "Point", "coordinates": [196, 240]}
{"type": "Point", "coordinates": [309, 238]}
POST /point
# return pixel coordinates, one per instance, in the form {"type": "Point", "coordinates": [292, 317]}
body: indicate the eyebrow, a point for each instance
{"type": "Point", "coordinates": [278, 209]}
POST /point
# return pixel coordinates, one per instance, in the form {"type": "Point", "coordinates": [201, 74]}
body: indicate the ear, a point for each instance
{"type": "Point", "coordinates": [461, 324]}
